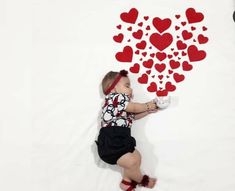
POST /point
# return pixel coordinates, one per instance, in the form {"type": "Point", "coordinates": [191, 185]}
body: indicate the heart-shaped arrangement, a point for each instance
{"type": "Point", "coordinates": [161, 53]}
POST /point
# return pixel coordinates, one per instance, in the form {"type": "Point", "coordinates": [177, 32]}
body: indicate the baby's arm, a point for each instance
{"type": "Point", "coordinates": [141, 107]}
{"type": "Point", "coordinates": [141, 115]}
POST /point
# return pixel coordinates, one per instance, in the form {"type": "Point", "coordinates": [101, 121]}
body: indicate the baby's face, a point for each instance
{"type": "Point", "coordinates": [124, 86]}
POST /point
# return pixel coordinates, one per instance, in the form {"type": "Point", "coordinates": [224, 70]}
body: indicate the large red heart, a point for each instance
{"type": "Point", "coordinates": [164, 48]}
{"type": "Point", "coordinates": [161, 42]}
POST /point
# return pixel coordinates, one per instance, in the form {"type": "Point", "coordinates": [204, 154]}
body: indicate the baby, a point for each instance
{"type": "Point", "coordinates": [115, 144]}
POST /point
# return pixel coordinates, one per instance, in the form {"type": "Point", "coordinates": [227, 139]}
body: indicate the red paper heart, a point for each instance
{"type": "Point", "coordinates": [143, 79]}
{"type": "Point", "coordinates": [125, 55]}
{"type": "Point", "coordinates": [148, 63]}
{"type": "Point", "coordinates": [160, 67]}
{"type": "Point", "coordinates": [161, 42]}
{"type": "Point", "coordinates": [135, 68]}
{"type": "Point", "coordinates": [181, 45]}
{"type": "Point", "coordinates": [178, 77]}
{"type": "Point", "coordinates": [161, 56]}
{"type": "Point", "coordinates": [130, 17]}
{"type": "Point", "coordinates": [141, 45]}
{"type": "Point", "coordinates": [174, 64]}
{"type": "Point", "coordinates": [187, 35]}
{"type": "Point", "coordinates": [118, 38]}
{"type": "Point", "coordinates": [195, 54]}
{"type": "Point", "coordinates": [161, 24]}
{"type": "Point", "coordinates": [202, 39]}
{"type": "Point", "coordinates": [170, 87]}
{"type": "Point", "coordinates": [187, 66]}
{"type": "Point", "coordinates": [152, 87]}
{"type": "Point", "coordinates": [193, 16]}
{"type": "Point", "coordinates": [138, 34]}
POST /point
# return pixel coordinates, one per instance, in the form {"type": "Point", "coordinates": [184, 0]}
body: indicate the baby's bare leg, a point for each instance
{"type": "Point", "coordinates": [131, 163]}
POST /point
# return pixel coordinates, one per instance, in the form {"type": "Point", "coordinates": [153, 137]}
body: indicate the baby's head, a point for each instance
{"type": "Point", "coordinates": [117, 82]}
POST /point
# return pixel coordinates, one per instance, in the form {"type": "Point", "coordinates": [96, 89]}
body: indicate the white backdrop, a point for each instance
{"type": "Point", "coordinates": [54, 55]}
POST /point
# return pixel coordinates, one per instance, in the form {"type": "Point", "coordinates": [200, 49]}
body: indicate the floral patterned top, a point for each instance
{"type": "Point", "coordinates": [113, 111]}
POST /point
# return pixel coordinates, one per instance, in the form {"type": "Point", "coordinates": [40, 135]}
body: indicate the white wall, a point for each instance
{"type": "Point", "coordinates": [53, 57]}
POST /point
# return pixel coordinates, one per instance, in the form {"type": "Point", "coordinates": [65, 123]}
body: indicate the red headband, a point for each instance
{"type": "Point", "coordinates": [122, 73]}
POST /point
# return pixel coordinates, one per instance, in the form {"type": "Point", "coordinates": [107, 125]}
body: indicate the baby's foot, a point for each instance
{"type": "Point", "coordinates": [151, 183]}
{"type": "Point", "coordinates": [127, 185]}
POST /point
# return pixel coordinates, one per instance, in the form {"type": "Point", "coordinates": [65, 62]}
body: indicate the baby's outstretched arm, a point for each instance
{"type": "Point", "coordinates": [141, 107]}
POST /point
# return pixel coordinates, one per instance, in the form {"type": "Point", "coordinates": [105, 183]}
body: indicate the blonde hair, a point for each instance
{"type": "Point", "coordinates": [108, 80]}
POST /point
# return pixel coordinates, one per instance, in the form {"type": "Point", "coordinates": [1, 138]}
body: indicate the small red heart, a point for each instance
{"type": "Point", "coordinates": [170, 87]}
{"type": "Point", "coordinates": [138, 34]}
{"type": "Point", "coordinates": [137, 52]}
{"type": "Point", "coordinates": [178, 77]}
{"type": "Point", "coordinates": [193, 28]}
{"type": "Point", "coordinates": [152, 87]}
{"type": "Point", "coordinates": [135, 69]}
{"type": "Point", "coordinates": [140, 24]}
{"type": "Point", "coordinates": [160, 77]}
{"type": "Point", "coordinates": [119, 26]}
{"type": "Point", "coordinates": [169, 56]}
{"type": "Point", "coordinates": [143, 79]}
{"type": "Point", "coordinates": [160, 67]}
{"type": "Point", "coordinates": [187, 66]}
{"type": "Point", "coordinates": [181, 45]}
{"type": "Point", "coordinates": [148, 27]}
{"type": "Point", "coordinates": [204, 28]}
{"type": "Point", "coordinates": [184, 53]}
{"type": "Point", "coordinates": [152, 55]}
{"type": "Point", "coordinates": [153, 76]}
{"type": "Point", "coordinates": [118, 38]}
{"type": "Point", "coordinates": [129, 28]}
{"type": "Point", "coordinates": [130, 17]}
{"type": "Point", "coordinates": [144, 53]}
{"type": "Point", "coordinates": [141, 45]}
{"type": "Point", "coordinates": [148, 72]}
{"type": "Point", "coordinates": [172, 49]}
{"type": "Point", "coordinates": [193, 16]}
{"type": "Point", "coordinates": [161, 24]}
{"type": "Point", "coordinates": [177, 16]}
{"type": "Point", "coordinates": [202, 39]}
{"type": "Point", "coordinates": [141, 59]}
{"type": "Point", "coordinates": [183, 23]}
{"type": "Point", "coordinates": [161, 93]}
{"type": "Point", "coordinates": [174, 64]}
{"type": "Point", "coordinates": [176, 53]}
{"type": "Point", "coordinates": [194, 54]}
{"type": "Point", "coordinates": [146, 18]}
{"type": "Point", "coordinates": [161, 56]}
{"type": "Point", "coordinates": [187, 35]}
{"type": "Point", "coordinates": [177, 28]}
{"type": "Point", "coordinates": [170, 71]}
{"type": "Point", "coordinates": [148, 63]}
{"type": "Point", "coordinates": [125, 55]}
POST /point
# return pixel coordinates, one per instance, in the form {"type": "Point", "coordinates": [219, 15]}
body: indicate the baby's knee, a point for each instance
{"type": "Point", "coordinates": [134, 161]}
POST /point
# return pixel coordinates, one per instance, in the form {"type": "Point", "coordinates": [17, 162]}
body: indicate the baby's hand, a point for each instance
{"type": "Point", "coordinates": [162, 102]}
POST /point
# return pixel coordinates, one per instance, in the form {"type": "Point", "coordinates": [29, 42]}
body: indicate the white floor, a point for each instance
{"type": "Point", "coordinates": [53, 57]}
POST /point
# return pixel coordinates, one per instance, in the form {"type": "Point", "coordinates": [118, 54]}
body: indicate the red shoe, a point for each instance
{"type": "Point", "coordinates": [132, 185]}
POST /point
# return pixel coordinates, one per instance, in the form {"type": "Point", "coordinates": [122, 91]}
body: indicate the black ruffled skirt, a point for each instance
{"type": "Point", "coordinates": [113, 142]}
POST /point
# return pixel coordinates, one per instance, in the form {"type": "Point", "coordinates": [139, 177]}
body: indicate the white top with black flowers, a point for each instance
{"type": "Point", "coordinates": [113, 111]}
